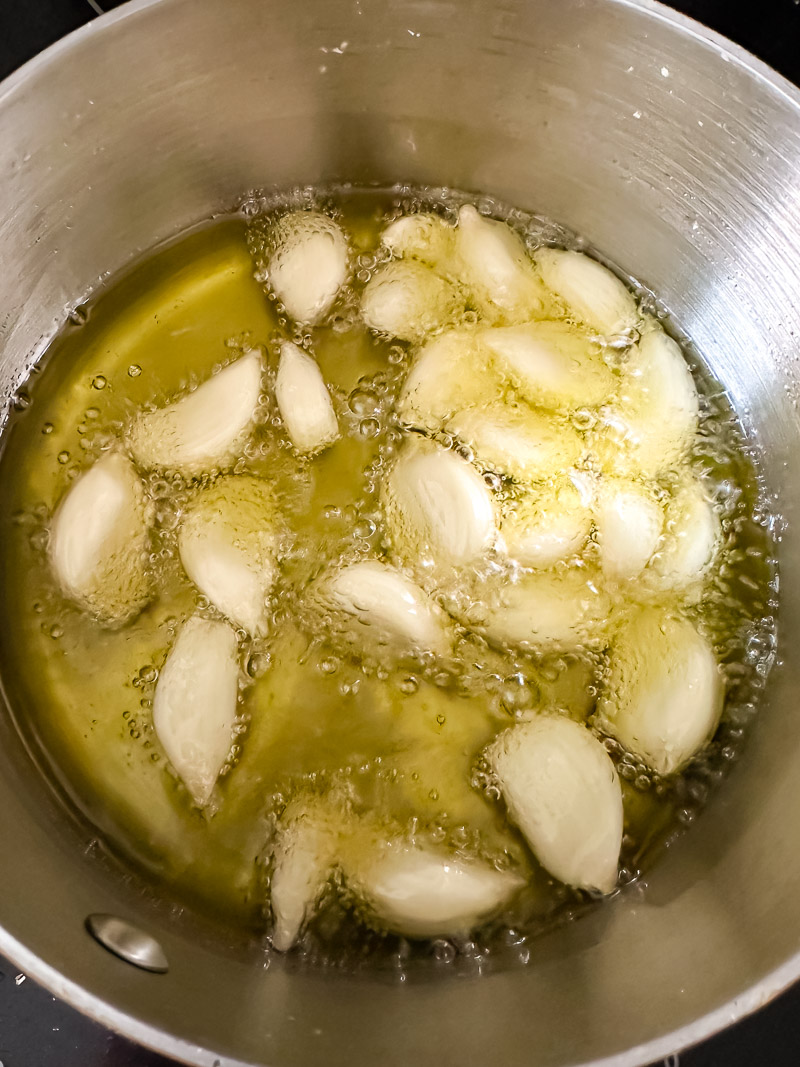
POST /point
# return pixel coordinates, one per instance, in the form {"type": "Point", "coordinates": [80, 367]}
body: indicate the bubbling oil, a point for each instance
{"type": "Point", "coordinates": [402, 740]}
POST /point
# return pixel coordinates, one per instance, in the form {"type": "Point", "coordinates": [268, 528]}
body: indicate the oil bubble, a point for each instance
{"type": "Point", "coordinates": [257, 664]}
{"type": "Point", "coordinates": [369, 427]}
{"type": "Point", "coordinates": [363, 402]}
{"type": "Point", "coordinates": [443, 951]}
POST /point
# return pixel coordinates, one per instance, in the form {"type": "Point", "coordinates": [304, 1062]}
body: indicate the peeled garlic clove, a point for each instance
{"type": "Point", "coordinates": [203, 430]}
{"type": "Point", "coordinates": [517, 442]}
{"type": "Point", "coordinates": [551, 364]}
{"type": "Point", "coordinates": [194, 706]}
{"type": "Point", "coordinates": [660, 384]}
{"type": "Point", "coordinates": [227, 547]}
{"type": "Point", "coordinates": [546, 525]}
{"type": "Point", "coordinates": [448, 374]}
{"type": "Point", "coordinates": [629, 523]}
{"type": "Point", "coordinates": [694, 535]}
{"type": "Point", "coordinates": [437, 506]}
{"type": "Point", "coordinates": [562, 790]}
{"type": "Point", "coordinates": [663, 691]}
{"type": "Point", "coordinates": [492, 260]}
{"type": "Point", "coordinates": [308, 265]}
{"type": "Point", "coordinates": [408, 300]}
{"type": "Point", "coordinates": [99, 541]}
{"type": "Point", "coordinates": [393, 607]}
{"type": "Point", "coordinates": [304, 853]}
{"type": "Point", "coordinates": [304, 401]}
{"type": "Point", "coordinates": [425, 892]}
{"type": "Point", "coordinates": [421, 236]}
{"type": "Point", "coordinates": [547, 611]}
{"type": "Point", "coordinates": [591, 292]}
{"type": "Point", "coordinates": [653, 422]}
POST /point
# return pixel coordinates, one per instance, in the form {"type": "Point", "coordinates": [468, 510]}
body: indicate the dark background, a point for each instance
{"type": "Point", "coordinates": [36, 1030]}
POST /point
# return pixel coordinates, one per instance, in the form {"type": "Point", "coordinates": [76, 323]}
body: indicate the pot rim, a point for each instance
{"type": "Point", "coordinates": [150, 1037]}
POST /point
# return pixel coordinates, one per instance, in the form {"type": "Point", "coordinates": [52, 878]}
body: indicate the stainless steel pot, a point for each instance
{"type": "Point", "coordinates": [670, 149]}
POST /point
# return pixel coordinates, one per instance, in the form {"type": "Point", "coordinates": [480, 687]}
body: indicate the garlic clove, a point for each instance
{"type": "Point", "coordinates": [629, 523]}
{"type": "Point", "coordinates": [546, 611]}
{"type": "Point", "coordinates": [449, 373]}
{"type": "Point", "coordinates": [693, 539]}
{"type": "Point", "coordinates": [392, 607]}
{"type": "Point", "coordinates": [308, 264]}
{"type": "Point", "coordinates": [546, 525]}
{"type": "Point", "coordinates": [492, 261]}
{"type": "Point", "coordinates": [421, 891]}
{"type": "Point", "coordinates": [203, 430]}
{"type": "Point", "coordinates": [562, 791]}
{"type": "Point", "coordinates": [194, 707]}
{"type": "Point", "coordinates": [99, 541]}
{"type": "Point", "coordinates": [227, 548]}
{"type": "Point", "coordinates": [303, 856]}
{"type": "Point", "coordinates": [651, 426]}
{"type": "Point", "coordinates": [591, 292]}
{"type": "Point", "coordinates": [304, 401]}
{"type": "Point", "coordinates": [663, 691]}
{"type": "Point", "coordinates": [517, 442]}
{"type": "Point", "coordinates": [551, 364]}
{"type": "Point", "coordinates": [421, 236]}
{"type": "Point", "coordinates": [438, 508]}
{"type": "Point", "coordinates": [408, 300]}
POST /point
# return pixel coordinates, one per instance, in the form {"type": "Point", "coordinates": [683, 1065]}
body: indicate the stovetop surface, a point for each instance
{"type": "Point", "coordinates": [36, 1029]}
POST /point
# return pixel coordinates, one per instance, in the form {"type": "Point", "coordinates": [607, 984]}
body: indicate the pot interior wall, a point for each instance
{"type": "Point", "coordinates": [634, 128]}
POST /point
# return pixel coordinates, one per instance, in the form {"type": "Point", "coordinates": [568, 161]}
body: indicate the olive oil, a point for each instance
{"type": "Point", "coordinates": [399, 739]}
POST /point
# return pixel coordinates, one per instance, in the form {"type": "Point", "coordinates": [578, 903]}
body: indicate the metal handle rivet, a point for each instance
{"type": "Point", "coordinates": [128, 942]}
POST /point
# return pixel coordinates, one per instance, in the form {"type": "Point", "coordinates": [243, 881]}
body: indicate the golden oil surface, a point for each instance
{"type": "Point", "coordinates": [404, 741]}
